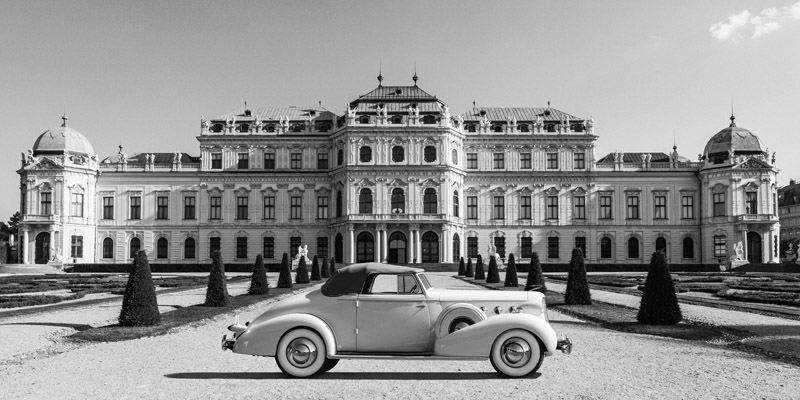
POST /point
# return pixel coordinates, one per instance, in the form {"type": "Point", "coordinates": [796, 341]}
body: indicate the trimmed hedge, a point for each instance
{"type": "Point", "coordinates": [217, 291]}
{"type": "Point", "coordinates": [139, 304]}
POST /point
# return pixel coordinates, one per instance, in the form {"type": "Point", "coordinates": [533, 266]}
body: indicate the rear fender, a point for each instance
{"type": "Point", "coordinates": [476, 340]}
{"type": "Point", "coordinates": [261, 339]}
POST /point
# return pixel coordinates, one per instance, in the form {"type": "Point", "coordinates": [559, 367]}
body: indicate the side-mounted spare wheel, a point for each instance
{"type": "Point", "coordinates": [301, 353]}
{"type": "Point", "coordinates": [516, 353]}
{"type": "Point", "coordinates": [457, 316]}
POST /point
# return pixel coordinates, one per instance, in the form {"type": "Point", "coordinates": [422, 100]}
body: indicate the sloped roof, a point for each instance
{"type": "Point", "coordinates": [276, 113]}
{"type": "Point", "coordinates": [397, 93]}
{"type": "Point", "coordinates": [401, 107]}
{"type": "Point", "coordinates": [520, 113]}
{"type": "Point", "coordinates": [789, 195]}
{"type": "Point", "coordinates": [635, 157]}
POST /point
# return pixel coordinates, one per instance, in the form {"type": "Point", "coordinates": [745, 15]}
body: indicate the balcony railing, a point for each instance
{"type": "Point", "coordinates": [39, 218]}
{"type": "Point", "coordinates": [756, 218]}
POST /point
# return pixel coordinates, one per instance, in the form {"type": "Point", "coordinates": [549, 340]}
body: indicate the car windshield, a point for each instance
{"type": "Point", "coordinates": [424, 280]}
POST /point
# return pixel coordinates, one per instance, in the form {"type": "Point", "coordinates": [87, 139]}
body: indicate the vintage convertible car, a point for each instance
{"type": "Point", "coordinates": [382, 311]}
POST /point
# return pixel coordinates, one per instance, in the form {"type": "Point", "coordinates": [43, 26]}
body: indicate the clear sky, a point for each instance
{"type": "Point", "coordinates": [140, 73]}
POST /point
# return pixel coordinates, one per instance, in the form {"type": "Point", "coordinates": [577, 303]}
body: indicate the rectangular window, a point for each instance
{"type": "Point", "coordinates": [472, 207]}
{"type": "Point", "coordinates": [751, 202]}
{"type": "Point", "coordinates": [719, 204]}
{"type": "Point", "coordinates": [472, 247]}
{"type": "Point", "coordinates": [269, 160]}
{"type": "Point", "coordinates": [499, 161]}
{"type": "Point", "coordinates": [525, 207]}
{"type": "Point", "coordinates": [136, 207]}
{"type": "Point", "coordinates": [322, 248]}
{"type": "Point", "coordinates": [241, 247]}
{"type": "Point", "coordinates": [525, 160]}
{"type": "Point", "coordinates": [579, 161]}
{"type": "Point", "coordinates": [269, 207]}
{"type": "Point", "coordinates": [189, 207]}
{"type": "Point", "coordinates": [108, 208]}
{"type": "Point", "coordinates": [500, 246]}
{"type": "Point", "coordinates": [472, 160]}
{"type": "Point", "coordinates": [527, 247]}
{"type": "Point", "coordinates": [213, 245]}
{"type": "Point", "coordinates": [46, 203]}
{"type": "Point", "coordinates": [76, 247]}
{"type": "Point", "coordinates": [720, 247]}
{"type": "Point", "coordinates": [580, 207]}
{"type": "Point", "coordinates": [294, 243]}
{"type": "Point", "coordinates": [605, 207]}
{"type": "Point", "coordinates": [296, 211]}
{"type": "Point", "coordinates": [552, 160]}
{"type": "Point", "coordinates": [296, 161]}
{"type": "Point", "coordinates": [552, 247]}
{"type": "Point", "coordinates": [77, 205]}
{"type": "Point", "coordinates": [162, 207]}
{"type": "Point", "coordinates": [687, 207]}
{"type": "Point", "coordinates": [216, 160]}
{"type": "Point", "coordinates": [241, 207]}
{"type": "Point", "coordinates": [632, 207]}
{"type": "Point", "coordinates": [269, 247]}
{"type": "Point", "coordinates": [215, 207]}
{"type": "Point", "coordinates": [552, 207]}
{"type": "Point", "coordinates": [580, 243]}
{"type": "Point", "coordinates": [322, 160]}
{"type": "Point", "coordinates": [660, 207]}
{"type": "Point", "coordinates": [243, 161]}
{"type": "Point", "coordinates": [499, 207]}
{"type": "Point", "coordinates": [322, 207]}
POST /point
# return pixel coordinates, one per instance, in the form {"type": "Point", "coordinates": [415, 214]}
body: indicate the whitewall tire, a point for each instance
{"type": "Point", "coordinates": [516, 353]}
{"type": "Point", "coordinates": [301, 353]}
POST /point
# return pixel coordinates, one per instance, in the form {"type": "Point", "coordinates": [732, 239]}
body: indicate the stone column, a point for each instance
{"type": "Point", "coordinates": [24, 247]}
{"type": "Point", "coordinates": [444, 246]}
{"type": "Point", "coordinates": [385, 245]}
{"type": "Point", "coordinates": [52, 233]}
{"type": "Point", "coordinates": [378, 242]}
{"type": "Point", "coordinates": [410, 251]}
{"type": "Point", "coordinates": [351, 246]}
{"type": "Point", "coordinates": [744, 244]}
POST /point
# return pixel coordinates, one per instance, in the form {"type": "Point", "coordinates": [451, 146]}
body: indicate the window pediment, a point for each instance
{"type": "Point", "coordinates": [397, 182]}
{"type": "Point", "coordinates": [578, 191]}
{"type": "Point", "coordinates": [430, 182]}
{"type": "Point", "coordinates": [365, 182]}
{"type": "Point", "coordinates": [719, 188]}
{"type": "Point", "coordinates": [751, 186]}
{"type": "Point", "coordinates": [472, 190]}
{"type": "Point", "coordinates": [497, 191]}
{"type": "Point", "coordinates": [552, 191]}
{"type": "Point", "coordinates": [525, 191]}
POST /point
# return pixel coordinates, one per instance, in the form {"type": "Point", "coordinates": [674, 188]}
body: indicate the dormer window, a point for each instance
{"type": "Point", "coordinates": [397, 119]}
{"type": "Point", "coordinates": [247, 113]}
{"type": "Point", "coordinates": [364, 119]}
{"type": "Point", "coordinates": [216, 128]}
{"type": "Point", "coordinates": [429, 120]}
{"type": "Point", "coordinates": [244, 128]}
{"type": "Point", "coordinates": [471, 128]}
{"type": "Point", "coordinates": [297, 128]}
{"type": "Point", "coordinates": [497, 128]}
{"type": "Point", "coordinates": [269, 128]}
{"type": "Point", "coordinates": [523, 128]}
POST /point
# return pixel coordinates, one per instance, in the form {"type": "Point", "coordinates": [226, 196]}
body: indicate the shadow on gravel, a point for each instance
{"type": "Point", "coordinates": [356, 376]}
{"type": "Point", "coordinates": [77, 327]}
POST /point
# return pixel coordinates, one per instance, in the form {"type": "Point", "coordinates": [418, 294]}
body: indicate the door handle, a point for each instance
{"type": "Point", "coordinates": [420, 305]}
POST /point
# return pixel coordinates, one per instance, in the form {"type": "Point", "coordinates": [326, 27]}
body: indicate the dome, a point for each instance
{"type": "Point", "coordinates": [733, 138]}
{"type": "Point", "coordinates": [60, 139]}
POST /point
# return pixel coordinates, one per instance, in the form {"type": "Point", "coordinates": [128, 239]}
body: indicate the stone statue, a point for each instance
{"type": "Point", "coordinates": [204, 123]}
{"type": "Point", "coordinates": [446, 113]}
{"type": "Point", "coordinates": [123, 157]}
{"type": "Point", "coordinates": [384, 112]}
{"type": "Point", "coordinates": [459, 121]}
{"type": "Point", "coordinates": [739, 249]}
{"type": "Point", "coordinates": [351, 113]}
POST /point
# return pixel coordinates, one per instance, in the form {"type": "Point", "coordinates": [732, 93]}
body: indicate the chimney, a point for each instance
{"type": "Point", "coordinates": [792, 182]}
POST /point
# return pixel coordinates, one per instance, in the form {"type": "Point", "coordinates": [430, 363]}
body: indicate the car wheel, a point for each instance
{"type": "Point", "coordinates": [329, 364]}
{"type": "Point", "coordinates": [516, 353]}
{"type": "Point", "coordinates": [459, 324]}
{"type": "Point", "coordinates": [301, 353]}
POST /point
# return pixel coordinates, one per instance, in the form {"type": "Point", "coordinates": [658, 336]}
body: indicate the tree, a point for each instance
{"type": "Point", "coordinates": [479, 274]}
{"type": "Point", "coordinates": [11, 228]}
{"type": "Point", "coordinates": [139, 304]}
{"type": "Point", "coordinates": [511, 273]}
{"type": "Point", "coordinates": [315, 269]}
{"type": "Point", "coordinates": [217, 292]}
{"type": "Point", "coordinates": [469, 273]}
{"type": "Point", "coordinates": [301, 275]}
{"type": "Point", "coordinates": [258, 282]}
{"type": "Point", "coordinates": [494, 274]}
{"type": "Point", "coordinates": [462, 269]}
{"type": "Point", "coordinates": [333, 266]}
{"type": "Point", "coordinates": [577, 284]}
{"type": "Point", "coordinates": [326, 271]}
{"type": "Point", "coordinates": [285, 275]}
{"type": "Point", "coordinates": [535, 277]}
{"type": "Point", "coordinates": [659, 304]}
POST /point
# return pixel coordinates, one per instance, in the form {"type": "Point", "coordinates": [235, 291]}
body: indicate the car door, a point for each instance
{"type": "Point", "coordinates": [392, 316]}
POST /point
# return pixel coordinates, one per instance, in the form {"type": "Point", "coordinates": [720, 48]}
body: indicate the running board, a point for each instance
{"type": "Point", "coordinates": [402, 357]}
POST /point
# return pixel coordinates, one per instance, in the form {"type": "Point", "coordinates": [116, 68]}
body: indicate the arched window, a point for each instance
{"type": "Point", "coordinates": [471, 128]}
{"type": "Point", "coordinates": [269, 127]}
{"type": "Point", "coordinates": [429, 201]}
{"type": "Point", "coordinates": [661, 244]}
{"type": "Point", "coordinates": [455, 204]}
{"type": "Point", "coordinates": [243, 128]}
{"type": "Point", "coordinates": [134, 247]}
{"type": "Point", "coordinates": [688, 247]}
{"type": "Point", "coordinates": [364, 119]}
{"type": "Point", "coordinates": [455, 157]}
{"type": "Point", "coordinates": [365, 154]}
{"type": "Point", "coordinates": [339, 157]}
{"type": "Point", "coordinates": [605, 247]}
{"type": "Point", "coordinates": [216, 128]}
{"type": "Point", "coordinates": [397, 119]}
{"type": "Point", "coordinates": [339, 203]}
{"type": "Point", "coordinates": [398, 201]}
{"type": "Point", "coordinates": [430, 247]}
{"type": "Point", "coordinates": [398, 154]}
{"type": "Point", "coordinates": [162, 247]}
{"type": "Point", "coordinates": [456, 247]}
{"type": "Point", "coordinates": [633, 248]}
{"type": "Point", "coordinates": [497, 128]}
{"type": "Point", "coordinates": [365, 247]}
{"type": "Point", "coordinates": [108, 248]}
{"type": "Point", "coordinates": [189, 250]}
{"type": "Point", "coordinates": [365, 201]}
{"type": "Point", "coordinates": [429, 119]}
{"type": "Point", "coordinates": [430, 154]}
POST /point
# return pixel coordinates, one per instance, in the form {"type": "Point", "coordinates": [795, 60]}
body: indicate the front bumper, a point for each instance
{"type": "Point", "coordinates": [565, 345]}
{"type": "Point", "coordinates": [227, 344]}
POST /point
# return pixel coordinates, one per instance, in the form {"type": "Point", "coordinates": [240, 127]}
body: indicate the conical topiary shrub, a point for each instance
{"type": "Point", "coordinates": [493, 276]}
{"type": "Point", "coordinates": [301, 275]}
{"type": "Point", "coordinates": [258, 282]}
{"type": "Point", "coordinates": [511, 273]}
{"type": "Point", "coordinates": [217, 291]}
{"type": "Point", "coordinates": [326, 271]}
{"type": "Point", "coordinates": [470, 272]}
{"type": "Point", "coordinates": [535, 277]}
{"type": "Point", "coordinates": [577, 284]}
{"type": "Point", "coordinates": [462, 269]}
{"type": "Point", "coordinates": [659, 304]}
{"type": "Point", "coordinates": [285, 275]}
{"type": "Point", "coordinates": [315, 269]}
{"type": "Point", "coordinates": [479, 274]}
{"type": "Point", "coordinates": [139, 304]}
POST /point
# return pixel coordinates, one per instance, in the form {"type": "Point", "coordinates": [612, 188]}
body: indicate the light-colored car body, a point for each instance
{"type": "Point", "coordinates": [377, 310]}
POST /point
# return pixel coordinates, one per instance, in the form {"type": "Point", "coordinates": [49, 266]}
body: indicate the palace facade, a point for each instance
{"type": "Point", "coordinates": [398, 178]}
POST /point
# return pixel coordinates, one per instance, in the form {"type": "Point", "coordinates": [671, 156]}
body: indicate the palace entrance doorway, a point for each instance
{"type": "Point", "coordinates": [754, 248]}
{"type": "Point", "coordinates": [397, 248]}
{"type": "Point", "coordinates": [42, 250]}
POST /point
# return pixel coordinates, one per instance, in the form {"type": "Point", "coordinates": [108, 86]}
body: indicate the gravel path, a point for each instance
{"type": "Point", "coordinates": [188, 364]}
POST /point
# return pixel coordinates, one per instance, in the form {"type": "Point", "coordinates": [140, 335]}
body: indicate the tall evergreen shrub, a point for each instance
{"type": "Point", "coordinates": [535, 277]}
{"type": "Point", "coordinates": [285, 275]}
{"type": "Point", "coordinates": [493, 276]}
{"type": "Point", "coordinates": [659, 304]}
{"type": "Point", "coordinates": [577, 284]}
{"type": "Point", "coordinates": [139, 304]}
{"type": "Point", "coordinates": [511, 273]}
{"type": "Point", "coordinates": [479, 274]}
{"type": "Point", "coordinates": [301, 275]}
{"type": "Point", "coordinates": [217, 291]}
{"type": "Point", "coordinates": [462, 269]}
{"type": "Point", "coordinates": [333, 266]}
{"type": "Point", "coordinates": [326, 271]}
{"type": "Point", "coordinates": [258, 282]}
{"type": "Point", "coordinates": [315, 269]}
{"type": "Point", "coordinates": [470, 272]}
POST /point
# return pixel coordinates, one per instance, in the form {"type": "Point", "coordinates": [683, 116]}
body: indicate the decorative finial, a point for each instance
{"type": "Point", "coordinates": [320, 103]}
{"type": "Point", "coordinates": [64, 120]}
{"type": "Point", "coordinates": [414, 78]}
{"type": "Point", "coordinates": [380, 73]}
{"type": "Point", "coordinates": [548, 103]}
{"type": "Point", "coordinates": [733, 124]}
{"type": "Point", "coordinates": [245, 104]}
{"type": "Point", "coordinates": [473, 103]}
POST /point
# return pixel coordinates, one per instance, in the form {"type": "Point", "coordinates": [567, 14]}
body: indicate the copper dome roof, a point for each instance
{"type": "Point", "coordinates": [60, 139]}
{"type": "Point", "coordinates": [740, 140]}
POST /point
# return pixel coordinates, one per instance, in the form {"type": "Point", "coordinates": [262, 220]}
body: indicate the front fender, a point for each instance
{"type": "Point", "coordinates": [476, 340]}
{"type": "Point", "coordinates": [261, 338]}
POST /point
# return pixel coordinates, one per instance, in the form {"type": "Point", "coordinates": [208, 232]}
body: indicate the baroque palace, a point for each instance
{"type": "Point", "coordinates": [397, 178]}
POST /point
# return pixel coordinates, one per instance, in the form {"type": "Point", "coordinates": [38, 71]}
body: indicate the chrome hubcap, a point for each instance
{"type": "Point", "coordinates": [460, 325]}
{"type": "Point", "coordinates": [516, 352]}
{"type": "Point", "coordinates": [301, 352]}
